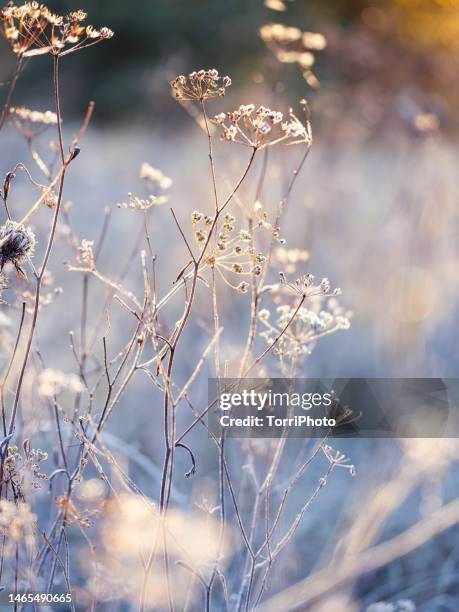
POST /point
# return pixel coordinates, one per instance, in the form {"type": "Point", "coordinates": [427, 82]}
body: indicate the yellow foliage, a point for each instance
{"type": "Point", "coordinates": [428, 22]}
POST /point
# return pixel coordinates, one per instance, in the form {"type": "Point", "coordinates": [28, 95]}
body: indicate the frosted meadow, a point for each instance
{"type": "Point", "coordinates": [115, 315]}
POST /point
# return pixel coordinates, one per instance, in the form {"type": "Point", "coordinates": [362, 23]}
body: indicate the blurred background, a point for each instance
{"type": "Point", "coordinates": [377, 200]}
{"type": "Point", "coordinates": [376, 206]}
{"type": "Point", "coordinates": [385, 61]}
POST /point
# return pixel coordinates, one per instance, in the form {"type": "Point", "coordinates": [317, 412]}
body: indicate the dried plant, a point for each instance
{"type": "Point", "coordinates": [149, 542]}
{"type": "Point", "coordinates": [292, 46]}
{"type": "Point", "coordinates": [17, 245]}
{"type": "Point", "coordinates": [262, 127]}
{"type": "Point", "coordinates": [32, 29]}
{"type": "Point", "coordinates": [200, 85]}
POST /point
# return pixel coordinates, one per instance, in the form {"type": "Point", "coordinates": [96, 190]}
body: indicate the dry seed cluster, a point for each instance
{"type": "Point", "coordinates": [260, 127]}
{"type": "Point", "coordinates": [155, 176]}
{"type": "Point", "coordinates": [17, 245]}
{"type": "Point", "coordinates": [305, 286]}
{"type": "Point", "coordinates": [32, 29]}
{"type": "Point", "coordinates": [232, 254]}
{"type": "Point", "coordinates": [143, 204]}
{"type": "Point", "coordinates": [200, 85]}
{"type": "Point", "coordinates": [303, 331]}
{"type": "Point", "coordinates": [29, 116]}
{"type": "Point", "coordinates": [292, 46]}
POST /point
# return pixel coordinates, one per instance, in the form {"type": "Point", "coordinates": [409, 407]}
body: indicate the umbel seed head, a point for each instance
{"type": "Point", "coordinates": [17, 245]}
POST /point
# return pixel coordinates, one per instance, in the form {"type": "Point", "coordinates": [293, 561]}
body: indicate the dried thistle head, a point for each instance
{"type": "Point", "coordinates": [263, 127]}
{"type": "Point", "coordinates": [32, 29]}
{"type": "Point", "coordinates": [17, 245]}
{"type": "Point", "coordinates": [199, 86]}
{"type": "Point", "coordinates": [233, 255]}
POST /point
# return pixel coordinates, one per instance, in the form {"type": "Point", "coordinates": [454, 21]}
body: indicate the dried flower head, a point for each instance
{"type": "Point", "coordinates": [129, 525]}
{"type": "Point", "coordinates": [233, 255]}
{"type": "Point", "coordinates": [17, 524]}
{"type": "Point", "coordinates": [85, 255]}
{"type": "Point", "coordinates": [338, 459]}
{"type": "Point", "coordinates": [32, 29]}
{"type": "Point", "coordinates": [17, 245]}
{"type": "Point", "coordinates": [281, 34]}
{"type": "Point", "coordinates": [23, 467]}
{"type": "Point", "coordinates": [143, 204]}
{"type": "Point", "coordinates": [292, 46]}
{"type": "Point", "coordinates": [52, 382]}
{"type": "Point", "coordinates": [305, 286]}
{"type": "Point", "coordinates": [262, 127]}
{"type": "Point", "coordinates": [303, 329]}
{"type": "Point", "coordinates": [155, 176]}
{"type": "Point", "coordinates": [291, 258]}
{"type": "Point", "coordinates": [29, 116]}
{"type": "Point", "coordinates": [31, 124]}
{"type": "Point", "coordinates": [257, 215]}
{"type": "Point", "coordinates": [75, 515]}
{"type": "Point", "coordinates": [200, 85]}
